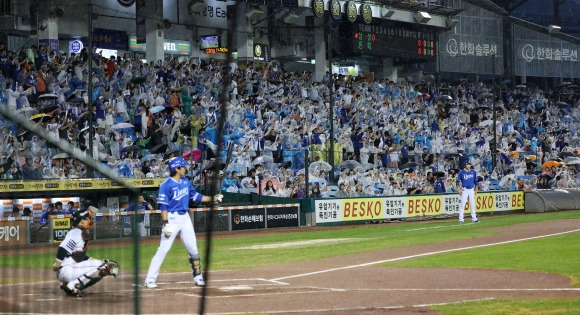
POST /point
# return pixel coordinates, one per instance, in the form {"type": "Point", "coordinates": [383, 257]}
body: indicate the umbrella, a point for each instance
{"type": "Point", "coordinates": [61, 156]}
{"type": "Point", "coordinates": [551, 163]}
{"type": "Point", "coordinates": [565, 154]}
{"type": "Point", "coordinates": [48, 108]}
{"type": "Point", "coordinates": [439, 174]}
{"type": "Point", "coordinates": [531, 157]}
{"type": "Point", "coordinates": [23, 133]}
{"type": "Point", "coordinates": [408, 165]}
{"type": "Point", "coordinates": [138, 80]}
{"type": "Point", "coordinates": [47, 95]}
{"type": "Point", "coordinates": [320, 166]}
{"type": "Point", "coordinates": [76, 100]}
{"type": "Point", "coordinates": [566, 83]}
{"type": "Point", "coordinates": [450, 155]}
{"type": "Point", "coordinates": [27, 109]}
{"type": "Point", "coordinates": [349, 164]}
{"type": "Point", "coordinates": [559, 131]}
{"type": "Point", "coordinates": [40, 116]}
{"type": "Point", "coordinates": [486, 123]}
{"type": "Point", "coordinates": [521, 86]}
{"type": "Point", "coordinates": [98, 70]}
{"type": "Point", "coordinates": [572, 160]}
{"type": "Point", "coordinates": [444, 98]}
{"type": "Point", "coordinates": [159, 148]}
{"type": "Point", "coordinates": [367, 166]}
{"type": "Point", "coordinates": [194, 155]}
{"type": "Point", "coordinates": [150, 157]}
{"type": "Point", "coordinates": [263, 159]}
{"type": "Point", "coordinates": [168, 153]}
{"type": "Point", "coordinates": [504, 179]}
{"type": "Point", "coordinates": [212, 164]}
{"type": "Point", "coordinates": [122, 126]}
{"type": "Point", "coordinates": [561, 104]}
{"type": "Point", "coordinates": [236, 167]}
{"type": "Point", "coordinates": [156, 109]}
{"type": "Point", "coordinates": [132, 148]}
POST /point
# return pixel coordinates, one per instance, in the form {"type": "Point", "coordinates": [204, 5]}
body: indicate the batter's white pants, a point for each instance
{"type": "Point", "coordinates": [179, 224]}
{"type": "Point", "coordinates": [74, 271]}
{"type": "Point", "coordinates": [467, 194]}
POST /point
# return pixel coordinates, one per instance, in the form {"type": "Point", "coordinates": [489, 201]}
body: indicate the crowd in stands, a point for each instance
{"type": "Point", "coordinates": [390, 138]}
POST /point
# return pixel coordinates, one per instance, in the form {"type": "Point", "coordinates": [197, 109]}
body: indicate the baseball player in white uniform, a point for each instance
{"type": "Point", "coordinates": [173, 200]}
{"type": "Point", "coordinates": [74, 269]}
{"type": "Point", "coordinates": [467, 188]}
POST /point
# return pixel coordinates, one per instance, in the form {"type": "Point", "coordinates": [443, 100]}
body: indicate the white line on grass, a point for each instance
{"type": "Point", "coordinates": [439, 227]}
{"type": "Point", "coordinates": [421, 255]}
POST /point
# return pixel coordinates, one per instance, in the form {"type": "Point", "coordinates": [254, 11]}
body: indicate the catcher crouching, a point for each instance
{"type": "Point", "coordinates": [74, 269]}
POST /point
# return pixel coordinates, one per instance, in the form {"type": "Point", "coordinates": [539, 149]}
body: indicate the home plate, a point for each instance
{"type": "Point", "coordinates": [235, 288]}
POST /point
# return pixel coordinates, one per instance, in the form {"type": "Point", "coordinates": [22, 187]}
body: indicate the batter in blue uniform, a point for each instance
{"type": "Point", "coordinates": [467, 188]}
{"type": "Point", "coordinates": [173, 200]}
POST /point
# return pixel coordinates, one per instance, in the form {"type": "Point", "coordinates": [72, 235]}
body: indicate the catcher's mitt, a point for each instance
{"type": "Point", "coordinates": [112, 266]}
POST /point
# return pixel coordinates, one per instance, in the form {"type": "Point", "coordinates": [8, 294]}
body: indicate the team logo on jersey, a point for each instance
{"type": "Point", "coordinates": [178, 194]}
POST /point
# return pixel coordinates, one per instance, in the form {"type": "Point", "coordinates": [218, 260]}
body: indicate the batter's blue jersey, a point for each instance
{"type": "Point", "coordinates": [174, 196]}
{"type": "Point", "coordinates": [468, 179]}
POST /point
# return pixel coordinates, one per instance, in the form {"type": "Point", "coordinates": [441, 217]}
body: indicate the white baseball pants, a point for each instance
{"type": "Point", "coordinates": [467, 194]}
{"type": "Point", "coordinates": [180, 223]}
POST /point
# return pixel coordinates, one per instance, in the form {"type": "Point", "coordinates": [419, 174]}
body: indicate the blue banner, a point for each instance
{"type": "Point", "coordinates": [109, 39]}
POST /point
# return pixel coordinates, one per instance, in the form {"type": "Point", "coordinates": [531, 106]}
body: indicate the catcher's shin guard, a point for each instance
{"type": "Point", "coordinates": [195, 262]}
{"type": "Point", "coordinates": [109, 267]}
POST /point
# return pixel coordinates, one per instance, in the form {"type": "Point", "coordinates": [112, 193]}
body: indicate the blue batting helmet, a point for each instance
{"type": "Point", "coordinates": [176, 162]}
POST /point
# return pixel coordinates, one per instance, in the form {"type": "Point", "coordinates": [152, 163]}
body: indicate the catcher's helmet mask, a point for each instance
{"type": "Point", "coordinates": [76, 218]}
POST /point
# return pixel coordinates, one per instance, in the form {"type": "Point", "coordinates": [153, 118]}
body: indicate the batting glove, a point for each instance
{"type": "Point", "coordinates": [167, 230]}
{"type": "Point", "coordinates": [218, 198]}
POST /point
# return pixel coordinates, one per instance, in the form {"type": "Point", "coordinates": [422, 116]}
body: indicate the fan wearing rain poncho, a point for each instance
{"type": "Point", "coordinates": [317, 142]}
{"type": "Point", "coordinates": [14, 96]}
{"type": "Point", "coordinates": [196, 125]}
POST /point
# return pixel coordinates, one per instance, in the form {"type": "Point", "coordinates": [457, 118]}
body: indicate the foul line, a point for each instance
{"type": "Point", "coordinates": [439, 227]}
{"type": "Point", "coordinates": [421, 255]}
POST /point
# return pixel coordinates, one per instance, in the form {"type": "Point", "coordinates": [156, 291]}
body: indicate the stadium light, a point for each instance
{"type": "Point", "coordinates": [554, 29]}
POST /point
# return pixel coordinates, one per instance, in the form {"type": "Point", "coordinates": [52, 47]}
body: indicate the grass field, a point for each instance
{"type": "Point", "coordinates": [558, 254]}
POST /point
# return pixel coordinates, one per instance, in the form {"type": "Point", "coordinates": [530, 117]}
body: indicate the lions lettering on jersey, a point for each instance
{"type": "Point", "coordinates": [180, 193]}
{"type": "Point", "coordinates": [467, 176]}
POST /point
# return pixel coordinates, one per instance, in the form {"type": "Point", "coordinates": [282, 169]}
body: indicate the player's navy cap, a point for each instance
{"type": "Point", "coordinates": [176, 162]}
{"type": "Point", "coordinates": [468, 163]}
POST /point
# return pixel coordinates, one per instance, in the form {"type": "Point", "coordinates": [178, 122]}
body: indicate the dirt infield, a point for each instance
{"type": "Point", "coordinates": [338, 285]}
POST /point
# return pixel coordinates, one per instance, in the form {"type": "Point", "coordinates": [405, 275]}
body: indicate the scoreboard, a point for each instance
{"type": "Point", "coordinates": [390, 41]}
